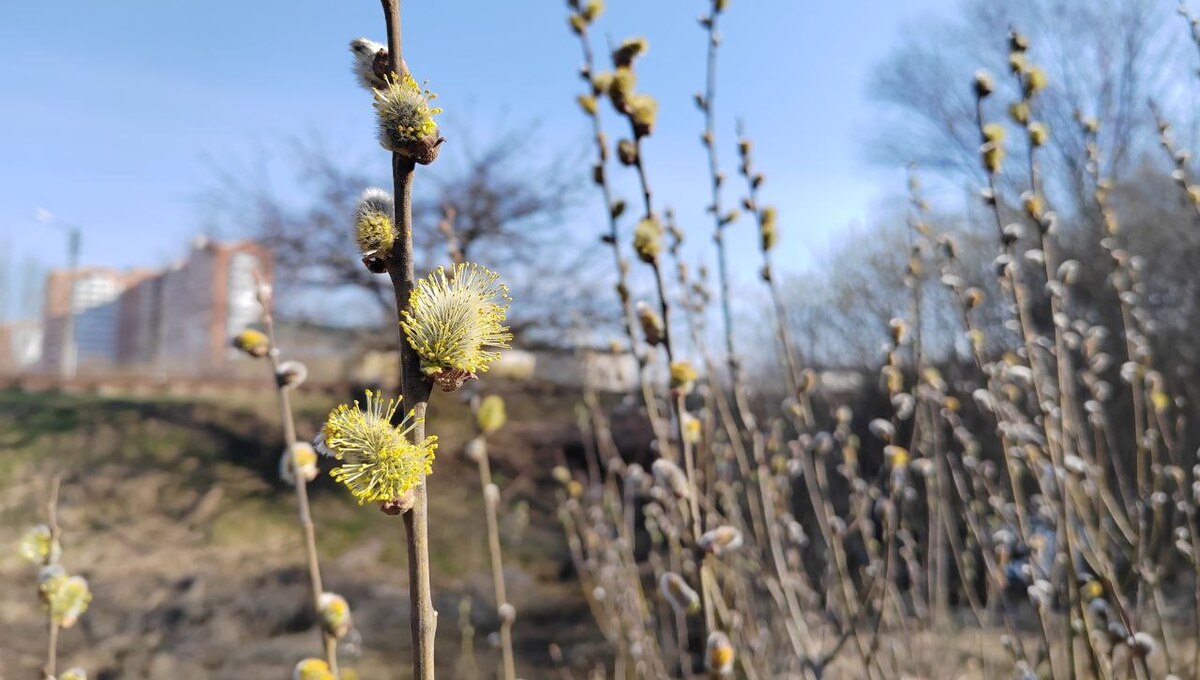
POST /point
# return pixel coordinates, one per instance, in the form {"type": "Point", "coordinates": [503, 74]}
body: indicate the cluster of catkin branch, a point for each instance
{"type": "Point", "coordinates": [764, 543]}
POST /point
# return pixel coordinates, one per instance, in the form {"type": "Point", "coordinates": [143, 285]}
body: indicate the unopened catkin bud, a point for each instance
{"type": "Point", "coordinates": [592, 10]}
{"type": "Point", "coordinates": [588, 103]}
{"type": "Point", "coordinates": [1035, 80]}
{"type": "Point", "coordinates": [291, 374]}
{"type": "Point", "coordinates": [678, 593]}
{"type": "Point", "coordinates": [1193, 193]}
{"type": "Point", "coordinates": [768, 230]}
{"type": "Point", "coordinates": [652, 324]}
{"type": "Point", "coordinates": [692, 429]}
{"type": "Point", "coordinates": [993, 157]}
{"type": "Point", "coordinates": [882, 428]}
{"type": "Point", "coordinates": [1033, 204]}
{"type": "Point", "coordinates": [1142, 644]}
{"type": "Point", "coordinates": [1017, 42]}
{"type": "Point", "coordinates": [629, 50]}
{"type": "Point", "coordinates": [1016, 62]}
{"type": "Point", "coordinates": [602, 81]}
{"type": "Point", "coordinates": [898, 456]}
{"type": "Point", "coordinates": [561, 474]}
{"type": "Point", "coordinates": [983, 84]}
{"type": "Point", "coordinates": [723, 539]}
{"type": "Point", "coordinates": [374, 222]}
{"type": "Point", "coordinates": [264, 293]}
{"type": "Point", "coordinates": [476, 449]}
{"type": "Point", "coordinates": [1019, 112]}
{"type": "Point", "coordinates": [719, 655]}
{"type": "Point", "coordinates": [575, 488]}
{"type": "Point", "coordinates": [50, 577]}
{"type": "Point", "coordinates": [670, 476]}
{"type": "Point", "coordinates": [994, 133]}
{"type": "Point", "coordinates": [299, 456]}
{"type": "Point", "coordinates": [491, 415]}
{"type": "Point", "coordinates": [1038, 134]}
{"type": "Point", "coordinates": [335, 614]}
{"type": "Point", "coordinates": [627, 152]}
{"type": "Point", "coordinates": [973, 297]}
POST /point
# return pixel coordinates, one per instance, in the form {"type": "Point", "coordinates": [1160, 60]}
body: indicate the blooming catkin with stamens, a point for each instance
{"type": "Point", "coordinates": [643, 112]}
{"type": "Point", "coordinates": [312, 669]}
{"type": "Point", "coordinates": [375, 222]}
{"type": "Point", "coordinates": [38, 546]}
{"type": "Point", "coordinates": [452, 319]}
{"type": "Point", "coordinates": [619, 85]}
{"type": "Point", "coordinates": [68, 599]}
{"type": "Point", "coordinates": [647, 239]}
{"type": "Point", "coordinates": [683, 376]}
{"type": "Point", "coordinates": [381, 465]}
{"type": "Point", "coordinates": [1035, 80]}
{"type": "Point", "coordinates": [252, 342]}
{"type": "Point", "coordinates": [405, 119]}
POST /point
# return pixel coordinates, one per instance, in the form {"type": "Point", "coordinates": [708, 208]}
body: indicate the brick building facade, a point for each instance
{"type": "Point", "coordinates": [174, 321]}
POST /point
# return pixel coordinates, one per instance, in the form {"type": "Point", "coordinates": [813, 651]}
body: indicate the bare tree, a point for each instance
{"type": "Point", "coordinates": [1104, 59]}
{"type": "Point", "coordinates": [510, 203]}
{"type": "Point", "coordinates": [840, 310]}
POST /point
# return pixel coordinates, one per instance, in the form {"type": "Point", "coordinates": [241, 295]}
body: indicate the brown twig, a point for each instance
{"type": "Point", "coordinates": [414, 387]}
{"type": "Point", "coordinates": [51, 667]}
{"type": "Point", "coordinates": [300, 484]}
{"type": "Point", "coordinates": [491, 497]}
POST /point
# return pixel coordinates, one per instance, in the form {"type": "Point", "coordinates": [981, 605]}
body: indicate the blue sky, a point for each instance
{"type": "Point", "coordinates": [115, 114]}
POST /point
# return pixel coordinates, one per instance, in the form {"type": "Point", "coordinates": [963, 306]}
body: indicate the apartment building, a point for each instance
{"type": "Point", "coordinates": [177, 320]}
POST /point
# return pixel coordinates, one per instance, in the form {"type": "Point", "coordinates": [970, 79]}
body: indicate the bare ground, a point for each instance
{"type": "Point", "coordinates": [172, 511]}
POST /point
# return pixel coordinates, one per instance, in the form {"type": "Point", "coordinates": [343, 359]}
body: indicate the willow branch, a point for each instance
{"type": "Point", "coordinates": [300, 485]}
{"type": "Point", "coordinates": [414, 387]}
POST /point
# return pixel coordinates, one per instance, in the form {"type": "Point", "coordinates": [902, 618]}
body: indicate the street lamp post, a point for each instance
{"type": "Point", "coordinates": [68, 360]}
